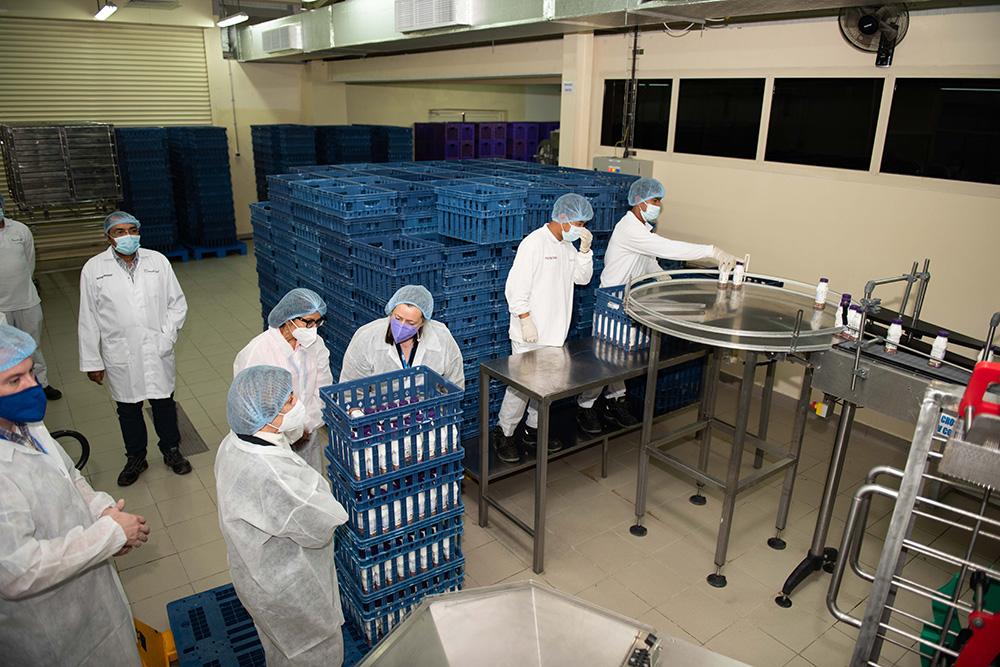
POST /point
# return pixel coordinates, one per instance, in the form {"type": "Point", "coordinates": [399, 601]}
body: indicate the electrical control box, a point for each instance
{"type": "Point", "coordinates": [626, 165]}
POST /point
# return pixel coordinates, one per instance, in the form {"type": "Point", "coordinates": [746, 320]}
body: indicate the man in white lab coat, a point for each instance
{"type": "Point", "coordinates": [131, 311]}
{"type": "Point", "coordinates": [539, 295]}
{"type": "Point", "coordinates": [292, 342]}
{"type": "Point", "coordinates": [632, 252]}
{"type": "Point", "coordinates": [19, 301]}
{"type": "Point", "coordinates": [61, 602]}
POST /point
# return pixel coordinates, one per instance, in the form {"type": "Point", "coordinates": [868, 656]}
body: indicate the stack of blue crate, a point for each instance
{"type": "Point", "coordinates": [278, 148]}
{"type": "Point", "coordinates": [203, 190]}
{"type": "Point", "coordinates": [395, 462]}
{"type": "Point", "coordinates": [147, 186]}
{"type": "Point", "coordinates": [342, 144]}
{"type": "Point", "coordinates": [392, 144]}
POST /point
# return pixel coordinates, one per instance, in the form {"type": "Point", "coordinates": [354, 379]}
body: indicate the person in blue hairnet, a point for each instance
{"type": "Point", "coordinates": [131, 312]}
{"type": "Point", "coordinates": [20, 305]}
{"type": "Point", "coordinates": [405, 337]}
{"type": "Point", "coordinates": [539, 293]}
{"type": "Point", "coordinates": [61, 602]}
{"type": "Point", "coordinates": [291, 341]}
{"type": "Point", "coordinates": [632, 252]}
{"type": "Point", "coordinates": [278, 518]}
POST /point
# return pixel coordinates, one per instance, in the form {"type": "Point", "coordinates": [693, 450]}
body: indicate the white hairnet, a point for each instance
{"type": "Point", "coordinates": [417, 296]}
{"type": "Point", "coordinates": [120, 218]}
{"type": "Point", "coordinates": [256, 397]}
{"type": "Point", "coordinates": [298, 302]}
{"type": "Point", "coordinates": [572, 207]}
{"type": "Point", "coordinates": [15, 346]}
{"type": "Point", "coordinates": [645, 189]}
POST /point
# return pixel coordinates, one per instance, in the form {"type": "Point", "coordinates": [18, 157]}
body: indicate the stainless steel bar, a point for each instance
{"type": "Point", "coordinates": [689, 469]}
{"type": "Point", "coordinates": [906, 291]}
{"type": "Point", "coordinates": [925, 279]}
{"type": "Point", "coordinates": [833, 474]}
{"type": "Point", "coordinates": [795, 449]}
{"type": "Point", "coordinates": [649, 407]}
{"type": "Point", "coordinates": [766, 472]}
{"type": "Point", "coordinates": [717, 579]}
{"type": "Point", "coordinates": [484, 444]}
{"type": "Point", "coordinates": [516, 520]}
{"type": "Point", "coordinates": [541, 479]}
{"type": "Point", "coordinates": [765, 410]}
{"type": "Point", "coordinates": [710, 389]}
{"type": "Point", "coordinates": [725, 428]}
{"type": "Point", "coordinates": [677, 434]}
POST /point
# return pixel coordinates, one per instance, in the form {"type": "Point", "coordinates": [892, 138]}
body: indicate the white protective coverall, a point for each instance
{"type": "Point", "coordinates": [19, 300]}
{"type": "Point", "coordinates": [368, 354]}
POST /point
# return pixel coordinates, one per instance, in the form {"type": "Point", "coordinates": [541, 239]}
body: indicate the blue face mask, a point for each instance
{"type": "Point", "coordinates": [127, 245]}
{"type": "Point", "coordinates": [572, 235]}
{"type": "Point", "coordinates": [24, 407]}
{"type": "Point", "coordinates": [401, 331]}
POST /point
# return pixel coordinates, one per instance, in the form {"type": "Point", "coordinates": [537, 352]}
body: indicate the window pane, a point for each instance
{"type": "Point", "coordinates": [824, 122]}
{"type": "Point", "coordinates": [719, 117]}
{"type": "Point", "coordinates": [652, 113]}
{"type": "Point", "coordinates": [945, 128]}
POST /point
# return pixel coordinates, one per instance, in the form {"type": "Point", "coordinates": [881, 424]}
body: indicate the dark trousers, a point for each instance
{"type": "Point", "coordinates": [134, 426]}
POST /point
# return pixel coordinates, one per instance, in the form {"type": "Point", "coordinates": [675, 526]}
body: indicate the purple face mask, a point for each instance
{"type": "Point", "coordinates": [401, 331]}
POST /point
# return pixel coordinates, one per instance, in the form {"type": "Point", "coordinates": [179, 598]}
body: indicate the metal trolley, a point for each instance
{"type": "Point", "coordinates": [955, 452]}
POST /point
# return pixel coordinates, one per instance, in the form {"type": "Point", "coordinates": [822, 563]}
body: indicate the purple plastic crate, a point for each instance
{"type": "Point", "coordinates": [459, 131]}
{"type": "Point", "coordinates": [523, 132]}
{"type": "Point", "coordinates": [491, 132]}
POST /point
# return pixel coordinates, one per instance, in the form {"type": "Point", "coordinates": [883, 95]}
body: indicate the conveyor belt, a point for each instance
{"type": "Point", "coordinates": [907, 361]}
{"type": "Point", "coordinates": [927, 329]}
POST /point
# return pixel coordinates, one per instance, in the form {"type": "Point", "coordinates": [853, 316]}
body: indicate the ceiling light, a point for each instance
{"type": "Point", "coordinates": [104, 12]}
{"type": "Point", "coordinates": [233, 19]}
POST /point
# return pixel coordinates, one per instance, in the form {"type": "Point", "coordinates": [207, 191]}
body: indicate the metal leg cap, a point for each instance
{"type": "Point", "coordinates": [716, 580]}
{"type": "Point", "coordinates": [829, 567]}
{"type": "Point", "coordinates": [783, 601]}
{"type": "Point", "coordinates": [638, 531]}
{"type": "Point", "coordinates": [776, 543]}
{"type": "Point", "coordinates": [697, 499]}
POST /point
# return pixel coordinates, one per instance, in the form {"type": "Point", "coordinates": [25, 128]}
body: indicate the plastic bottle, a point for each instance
{"type": "Point", "coordinates": [842, 312]}
{"type": "Point", "coordinates": [893, 337]}
{"type": "Point", "coordinates": [738, 273]}
{"type": "Point", "coordinates": [854, 322]}
{"type": "Point", "coordinates": [938, 349]}
{"type": "Point", "coordinates": [822, 290]}
{"type": "Point", "coordinates": [723, 278]}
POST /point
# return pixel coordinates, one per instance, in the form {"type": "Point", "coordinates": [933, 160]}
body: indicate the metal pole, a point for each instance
{"type": "Point", "coordinates": [541, 475]}
{"type": "Point", "coordinates": [906, 290]}
{"type": "Point", "coordinates": [833, 474]}
{"type": "Point", "coordinates": [717, 579]}
{"type": "Point", "coordinates": [649, 407]}
{"type": "Point", "coordinates": [795, 448]}
{"type": "Point", "coordinates": [765, 410]}
{"type": "Point", "coordinates": [484, 444]}
{"type": "Point", "coordinates": [925, 279]}
{"type": "Point", "coordinates": [710, 390]}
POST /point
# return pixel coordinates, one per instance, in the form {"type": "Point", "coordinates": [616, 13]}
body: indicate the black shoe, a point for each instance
{"type": "Point", "coordinates": [616, 413]}
{"type": "Point", "coordinates": [589, 421]}
{"type": "Point", "coordinates": [176, 461]}
{"type": "Point", "coordinates": [530, 442]}
{"type": "Point", "coordinates": [134, 467]}
{"type": "Point", "coordinates": [505, 448]}
{"type": "Point", "coordinates": [51, 393]}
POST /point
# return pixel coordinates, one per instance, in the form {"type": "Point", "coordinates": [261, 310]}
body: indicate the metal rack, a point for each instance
{"type": "Point", "coordinates": [941, 459]}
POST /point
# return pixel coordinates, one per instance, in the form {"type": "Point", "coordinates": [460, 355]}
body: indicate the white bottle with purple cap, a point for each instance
{"type": "Point", "coordinates": [938, 349]}
{"type": "Point", "coordinates": [822, 290]}
{"type": "Point", "coordinates": [894, 336]}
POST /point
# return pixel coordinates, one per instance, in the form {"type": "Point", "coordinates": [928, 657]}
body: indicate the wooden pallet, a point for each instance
{"type": "Point", "coordinates": [200, 252]}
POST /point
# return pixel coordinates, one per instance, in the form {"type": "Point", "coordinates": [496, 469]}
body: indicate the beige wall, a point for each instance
{"type": "Point", "coordinates": [804, 222]}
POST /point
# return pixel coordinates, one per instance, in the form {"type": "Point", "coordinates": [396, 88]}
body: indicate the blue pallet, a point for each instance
{"type": "Point", "coordinates": [200, 252]}
{"type": "Point", "coordinates": [214, 629]}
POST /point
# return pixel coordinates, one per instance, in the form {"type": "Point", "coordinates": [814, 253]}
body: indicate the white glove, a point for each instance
{"type": "Point", "coordinates": [586, 239]}
{"type": "Point", "coordinates": [726, 261]}
{"type": "Point", "coordinates": [528, 331]}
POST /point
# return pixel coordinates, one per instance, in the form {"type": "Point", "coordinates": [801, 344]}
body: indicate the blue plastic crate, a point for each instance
{"type": "Point", "coordinates": [423, 223]}
{"type": "Point", "coordinates": [306, 190]}
{"type": "Point", "coordinates": [461, 283]}
{"type": "Point", "coordinates": [359, 226]}
{"type": "Point", "coordinates": [356, 201]}
{"type": "Point", "coordinates": [470, 303]}
{"type": "Point", "coordinates": [484, 201]}
{"type": "Point", "coordinates": [482, 230]}
{"type": "Point", "coordinates": [460, 257]}
{"type": "Point", "coordinates": [280, 185]}
{"type": "Point", "coordinates": [411, 194]}
{"type": "Point", "coordinates": [397, 253]}
{"type": "Point", "coordinates": [380, 282]}
{"type": "Point", "coordinates": [676, 387]}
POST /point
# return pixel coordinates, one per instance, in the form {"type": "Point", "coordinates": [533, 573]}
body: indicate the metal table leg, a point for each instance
{"type": "Point", "coordinates": [709, 388]}
{"type": "Point", "coordinates": [717, 579]}
{"type": "Point", "coordinates": [765, 410]}
{"type": "Point", "coordinates": [649, 407]}
{"type": "Point", "coordinates": [541, 474]}
{"type": "Point", "coordinates": [484, 444]}
{"type": "Point", "coordinates": [821, 556]}
{"type": "Point", "coordinates": [794, 449]}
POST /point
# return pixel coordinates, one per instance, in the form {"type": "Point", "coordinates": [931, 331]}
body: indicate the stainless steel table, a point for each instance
{"type": "Point", "coordinates": [766, 316]}
{"type": "Point", "coordinates": [547, 375]}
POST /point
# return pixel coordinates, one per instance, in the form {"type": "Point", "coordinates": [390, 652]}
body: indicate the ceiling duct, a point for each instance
{"type": "Point", "coordinates": [414, 15]}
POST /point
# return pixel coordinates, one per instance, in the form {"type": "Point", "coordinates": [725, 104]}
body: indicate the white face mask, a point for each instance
{"type": "Point", "coordinates": [293, 423]}
{"type": "Point", "coordinates": [306, 337]}
{"type": "Point", "coordinates": [651, 213]}
{"type": "Point", "coordinates": [571, 234]}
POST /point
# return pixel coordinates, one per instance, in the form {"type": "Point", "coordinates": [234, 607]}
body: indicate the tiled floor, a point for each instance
{"type": "Point", "coordinates": [659, 579]}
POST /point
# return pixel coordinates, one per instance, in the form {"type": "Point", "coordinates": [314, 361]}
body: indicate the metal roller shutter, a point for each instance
{"type": "Point", "coordinates": [119, 73]}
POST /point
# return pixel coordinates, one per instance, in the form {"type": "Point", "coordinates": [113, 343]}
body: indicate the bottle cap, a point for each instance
{"type": "Point", "coordinates": [898, 320]}
{"type": "Point", "coordinates": [739, 263]}
{"type": "Point", "coordinates": [824, 280]}
{"type": "Point", "coordinates": [845, 297]}
{"type": "Point", "coordinates": [855, 307]}
{"type": "Point", "coordinates": [942, 333]}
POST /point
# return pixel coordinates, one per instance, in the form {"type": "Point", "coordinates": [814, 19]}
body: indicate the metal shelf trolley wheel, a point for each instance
{"type": "Point", "coordinates": [83, 442]}
{"type": "Point", "coordinates": [955, 455]}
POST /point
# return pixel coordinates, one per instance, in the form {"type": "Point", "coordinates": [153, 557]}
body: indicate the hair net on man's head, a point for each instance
{"type": "Point", "coordinates": [120, 218]}
{"type": "Point", "coordinates": [645, 189]}
{"type": "Point", "coordinates": [15, 346]}
{"type": "Point", "coordinates": [572, 207]}
{"type": "Point", "coordinates": [417, 296]}
{"type": "Point", "coordinates": [298, 302]}
{"type": "Point", "coordinates": [256, 397]}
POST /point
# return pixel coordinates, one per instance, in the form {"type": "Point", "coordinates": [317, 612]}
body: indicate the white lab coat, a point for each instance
{"type": "Point", "coordinates": [277, 516]}
{"type": "Point", "coordinates": [634, 248]}
{"type": "Point", "coordinates": [541, 282]}
{"type": "Point", "coordinates": [129, 329]}
{"type": "Point", "coordinates": [368, 354]}
{"type": "Point", "coordinates": [61, 602]}
{"type": "Point", "coordinates": [17, 266]}
{"type": "Point", "coordinates": [310, 369]}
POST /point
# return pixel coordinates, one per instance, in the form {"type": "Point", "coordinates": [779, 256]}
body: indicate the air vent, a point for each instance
{"type": "Point", "coordinates": [285, 38]}
{"type": "Point", "coordinates": [414, 15]}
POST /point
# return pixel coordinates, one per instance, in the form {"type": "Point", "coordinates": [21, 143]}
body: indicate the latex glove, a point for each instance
{"type": "Point", "coordinates": [726, 261]}
{"type": "Point", "coordinates": [528, 331]}
{"type": "Point", "coordinates": [586, 239]}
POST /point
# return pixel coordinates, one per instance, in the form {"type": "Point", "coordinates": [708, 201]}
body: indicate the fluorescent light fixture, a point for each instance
{"type": "Point", "coordinates": [104, 12]}
{"type": "Point", "coordinates": [233, 19]}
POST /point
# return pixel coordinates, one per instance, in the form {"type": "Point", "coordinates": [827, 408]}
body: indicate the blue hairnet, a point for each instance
{"type": "Point", "coordinates": [644, 189]}
{"type": "Point", "coordinates": [15, 346]}
{"type": "Point", "coordinates": [298, 302]}
{"type": "Point", "coordinates": [417, 296]}
{"type": "Point", "coordinates": [572, 207]}
{"type": "Point", "coordinates": [256, 397]}
{"type": "Point", "coordinates": [120, 218]}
